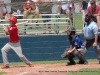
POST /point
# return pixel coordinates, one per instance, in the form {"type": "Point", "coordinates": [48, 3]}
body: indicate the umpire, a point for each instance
{"type": "Point", "coordinates": [91, 34]}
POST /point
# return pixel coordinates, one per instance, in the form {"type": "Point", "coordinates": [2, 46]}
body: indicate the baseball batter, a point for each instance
{"type": "Point", "coordinates": [14, 44]}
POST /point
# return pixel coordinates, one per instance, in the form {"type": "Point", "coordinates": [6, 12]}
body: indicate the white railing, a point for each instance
{"type": "Point", "coordinates": [24, 26]}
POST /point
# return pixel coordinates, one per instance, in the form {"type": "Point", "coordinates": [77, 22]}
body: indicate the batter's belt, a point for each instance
{"type": "Point", "coordinates": [14, 41]}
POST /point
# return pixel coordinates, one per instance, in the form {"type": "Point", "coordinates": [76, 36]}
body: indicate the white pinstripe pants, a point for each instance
{"type": "Point", "coordinates": [16, 47]}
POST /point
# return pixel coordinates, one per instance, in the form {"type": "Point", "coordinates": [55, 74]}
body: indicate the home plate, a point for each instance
{"type": "Point", "coordinates": [38, 67]}
{"type": "Point", "coordinates": [22, 73]}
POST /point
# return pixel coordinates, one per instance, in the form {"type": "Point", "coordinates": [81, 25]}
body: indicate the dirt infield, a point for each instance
{"type": "Point", "coordinates": [47, 69]}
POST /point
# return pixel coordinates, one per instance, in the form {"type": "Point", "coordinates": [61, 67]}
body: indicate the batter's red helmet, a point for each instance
{"type": "Point", "coordinates": [13, 19]}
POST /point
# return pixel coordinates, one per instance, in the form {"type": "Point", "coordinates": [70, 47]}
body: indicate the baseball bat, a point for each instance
{"type": "Point", "coordinates": [22, 23]}
{"type": "Point", "coordinates": [17, 23]}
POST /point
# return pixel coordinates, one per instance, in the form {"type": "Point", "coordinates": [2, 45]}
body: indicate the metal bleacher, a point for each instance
{"type": "Point", "coordinates": [24, 24]}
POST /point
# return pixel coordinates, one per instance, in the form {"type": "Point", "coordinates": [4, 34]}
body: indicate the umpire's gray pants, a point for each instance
{"type": "Point", "coordinates": [97, 49]}
{"type": "Point", "coordinates": [17, 49]}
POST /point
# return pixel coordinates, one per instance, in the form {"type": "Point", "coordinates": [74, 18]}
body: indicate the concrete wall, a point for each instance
{"type": "Point", "coordinates": [42, 48]}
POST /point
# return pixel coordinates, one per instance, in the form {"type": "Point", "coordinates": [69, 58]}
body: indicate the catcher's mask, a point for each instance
{"type": "Point", "coordinates": [72, 30]}
{"type": "Point", "coordinates": [88, 18]}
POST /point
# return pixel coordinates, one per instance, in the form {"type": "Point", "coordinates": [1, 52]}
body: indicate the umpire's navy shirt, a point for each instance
{"type": "Point", "coordinates": [90, 30]}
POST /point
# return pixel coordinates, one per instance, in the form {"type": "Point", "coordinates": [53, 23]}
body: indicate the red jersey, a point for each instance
{"type": "Point", "coordinates": [93, 11]}
{"type": "Point", "coordinates": [29, 4]}
{"type": "Point", "coordinates": [13, 33]}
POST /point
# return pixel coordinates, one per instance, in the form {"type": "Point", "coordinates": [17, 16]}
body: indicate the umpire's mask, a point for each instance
{"type": "Point", "coordinates": [88, 18]}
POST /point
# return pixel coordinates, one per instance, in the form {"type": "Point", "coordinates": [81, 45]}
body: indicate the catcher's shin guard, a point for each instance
{"type": "Point", "coordinates": [80, 56]}
{"type": "Point", "coordinates": [71, 60]}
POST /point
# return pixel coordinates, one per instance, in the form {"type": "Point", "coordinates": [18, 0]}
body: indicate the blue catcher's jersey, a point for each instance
{"type": "Point", "coordinates": [76, 42]}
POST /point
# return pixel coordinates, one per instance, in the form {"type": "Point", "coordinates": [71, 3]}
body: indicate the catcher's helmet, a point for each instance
{"type": "Point", "coordinates": [13, 19]}
{"type": "Point", "coordinates": [72, 30]}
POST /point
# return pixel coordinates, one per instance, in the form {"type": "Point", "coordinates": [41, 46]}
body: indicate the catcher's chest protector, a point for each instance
{"type": "Point", "coordinates": [77, 41]}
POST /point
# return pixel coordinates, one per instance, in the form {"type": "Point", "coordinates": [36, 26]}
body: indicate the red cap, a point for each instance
{"type": "Point", "coordinates": [92, 2]}
{"type": "Point", "coordinates": [13, 19]}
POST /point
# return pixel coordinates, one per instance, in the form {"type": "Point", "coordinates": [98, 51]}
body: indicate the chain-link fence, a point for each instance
{"type": "Point", "coordinates": [58, 25]}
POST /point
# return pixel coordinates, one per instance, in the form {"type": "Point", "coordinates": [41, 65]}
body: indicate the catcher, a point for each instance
{"type": "Point", "coordinates": [76, 48]}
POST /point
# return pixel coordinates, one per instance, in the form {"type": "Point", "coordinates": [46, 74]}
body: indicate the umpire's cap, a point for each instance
{"type": "Point", "coordinates": [89, 15]}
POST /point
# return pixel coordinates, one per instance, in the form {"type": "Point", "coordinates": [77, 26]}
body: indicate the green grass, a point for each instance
{"type": "Point", "coordinates": [48, 62]}
{"type": "Point", "coordinates": [78, 21]}
{"type": "Point", "coordinates": [59, 61]}
{"type": "Point", "coordinates": [86, 71]}
{"type": "Point", "coordinates": [2, 73]}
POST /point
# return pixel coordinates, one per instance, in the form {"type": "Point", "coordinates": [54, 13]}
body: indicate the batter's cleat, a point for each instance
{"type": "Point", "coordinates": [31, 65]}
{"type": "Point", "coordinates": [5, 67]}
{"type": "Point", "coordinates": [70, 63]}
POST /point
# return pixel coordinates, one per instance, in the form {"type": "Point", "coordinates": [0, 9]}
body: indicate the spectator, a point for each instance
{"type": "Point", "coordinates": [89, 3]}
{"type": "Point", "coordinates": [72, 11]}
{"type": "Point", "coordinates": [30, 10]}
{"type": "Point", "coordinates": [46, 9]}
{"type": "Point", "coordinates": [1, 11]}
{"type": "Point", "coordinates": [83, 7]}
{"type": "Point", "coordinates": [36, 1]}
{"type": "Point", "coordinates": [8, 15]}
{"type": "Point", "coordinates": [95, 10]}
{"type": "Point", "coordinates": [4, 10]}
{"type": "Point", "coordinates": [66, 9]}
{"type": "Point", "coordinates": [18, 12]}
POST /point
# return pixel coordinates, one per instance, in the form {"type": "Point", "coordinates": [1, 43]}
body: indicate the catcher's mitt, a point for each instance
{"type": "Point", "coordinates": [65, 54]}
